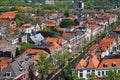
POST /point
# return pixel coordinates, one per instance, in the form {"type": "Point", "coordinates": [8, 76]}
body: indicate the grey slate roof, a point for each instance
{"type": "Point", "coordinates": [17, 67]}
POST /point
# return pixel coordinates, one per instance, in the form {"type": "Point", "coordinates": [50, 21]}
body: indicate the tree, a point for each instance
{"type": "Point", "coordinates": [90, 3]}
{"type": "Point", "coordinates": [25, 46]}
{"type": "Point", "coordinates": [44, 65]}
{"type": "Point", "coordinates": [67, 13]}
{"type": "Point", "coordinates": [66, 23]}
{"type": "Point", "coordinates": [91, 76]}
{"type": "Point", "coordinates": [17, 22]}
{"type": "Point", "coordinates": [74, 76]}
{"type": "Point", "coordinates": [112, 75]}
{"type": "Point", "coordinates": [60, 58]}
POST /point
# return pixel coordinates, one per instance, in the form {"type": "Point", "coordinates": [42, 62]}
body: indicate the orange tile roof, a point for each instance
{"type": "Point", "coordinates": [27, 24]}
{"type": "Point", "coordinates": [53, 14]}
{"type": "Point", "coordinates": [109, 62]}
{"type": "Point", "coordinates": [50, 23]}
{"type": "Point", "coordinates": [10, 15]}
{"type": "Point", "coordinates": [93, 47]}
{"type": "Point", "coordinates": [72, 17]}
{"type": "Point", "coordinates": [92, 26]}
{"type": "Point", "coordinates": [93, 62]}
{"type": "Point", "coordinates": [4, 63]}
{"type": "Point", "coordinates": [94, 54]}
{"type": "Point", "coordinates": [33, 51]}
{"type": "Point", "coordinates": [60, 29]}
{"type": "Point", "coordinates": [118, 28]}
{"type": "Point", "coordinates": [80, 64]}
{"type": "Point", "coordinates": [105, 15]}
{"type": "Point", "coordinates": [57, 40]}
{"type": "Point", "coordinates": [106, 42]}
{"type": "Point", "coordinates": [68, 33]}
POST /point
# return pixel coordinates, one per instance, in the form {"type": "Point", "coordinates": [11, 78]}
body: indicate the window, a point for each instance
{"type": "Point", "coordinates": [113, 64]}
{"type": "Point", "coordinates": [93, 70]}
{"type": "Point", "coordinates": [8, 74]}
{"type": "Point", "coordinates": [103, 73]}
{"type": "Point", "coordinates": [98, 73]}
{"type": "Point", "coordinates": [88, 70]}
{"type": "Point", "coordinates": [118, 71]}
{"type": "Point", "coordinates": [81, 74]}
{"type": "Point", "coordinates": [106, 72]}
{"type": "Point", "coordinates": [105, 65]}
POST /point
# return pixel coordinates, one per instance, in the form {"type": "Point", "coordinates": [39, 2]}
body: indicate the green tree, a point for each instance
{"type": "Point", "coordinates": [90, 3]}
{"type": "Point", "coordinates": [67, 13]}
{"type": "Point", "coordinates": [41, 12]}
{"type": "Point", "coordinates": [91, 76]}
{"type": "Point", "coordinates": [17, 22]}
{"type": "Point", "coordinates": [66, 23]}
{"type": "Point", "coordinates": [61, 58]}
{"type": "Point", "coordinates": [25, 46]}
{"type": "Point", "coordinates": [44, 65]}
{"type": "Point", "coordinates": [74, 76]}
{"type": "Point", "coordinates": [112, 75]}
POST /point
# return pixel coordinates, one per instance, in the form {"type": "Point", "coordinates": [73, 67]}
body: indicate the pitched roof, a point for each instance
{"type": "Point", "coordinates": [60, 29]}
{"type": "Point", "coordinates": [118, 28]}
{"type": "Point", "coordinates": [4, 63]}
{"type": "Point", "coordinates": [33, 51]}
{"type": "Point", "coordinates": [93, 47]}
{"type": "Point", "coordinates": [57, 40]}
{"type": "Point", "coordinates": [80, 64]}
{"type": "Point", "coordinates": [109, 62]}
{"type": "Point", "coordinates": [53, 14]}
{"type": "Point", "coordinates": [50, 23]}
{"type": "Point", "coordinates": [92, 26]}
{"type": "Point", "coordinates": [18, 67]}
{"type": "Point", "coordinates": [10, 15]}
{"type": "Point", "coordinates": [106, 42]}
{"type": "Point", "coordinates": [93, 62]}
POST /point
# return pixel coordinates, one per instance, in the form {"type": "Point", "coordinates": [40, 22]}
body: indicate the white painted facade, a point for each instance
{"type": "Point", "coordinates": [99, 72]}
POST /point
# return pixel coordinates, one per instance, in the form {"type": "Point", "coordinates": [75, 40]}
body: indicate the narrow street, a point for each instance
{"type": "Point", "coordinates": [80, 53]}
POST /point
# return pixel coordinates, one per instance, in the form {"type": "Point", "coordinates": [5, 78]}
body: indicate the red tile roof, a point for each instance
{"type": "Point", "coordinates": [93, 47]}
{"type": "Point", "coordinates": [33, 51]}
{"type": "Point", "coordinates": [92, 26]}
{"type": "Point", "coordinates": [50, 23]}
{"type": "Point", "coordinates": [80, 64]}
{"type": "Point", "coordinates": [56, 40]}
{"type": "Point", "coordinates": [93, 62]}
{"type": "Point", "coordinates": [8, 15]}
{"type": "Point", "coordinates": [4, 63]}
{"type": "Point", "coordinates": [118, 28]}
{"type": "Point", "coordinates": [106, 43]}
{"type": "Point", "coordinates": [60, 29]}
{"type": "Point", "coordinates": [109, 62]}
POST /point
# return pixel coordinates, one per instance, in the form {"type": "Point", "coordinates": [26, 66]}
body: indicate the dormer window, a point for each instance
{"type": "Point", "coordinates": [113, 64]}
{"type": "Point", "coordinates": [105, 65]}
{"type": "Point", "coordinates": [8, 74]}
